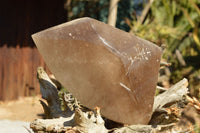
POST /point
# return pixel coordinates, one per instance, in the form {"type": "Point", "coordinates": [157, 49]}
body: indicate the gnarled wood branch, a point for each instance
{"type": "Point", "coordinates": [78, 120]}
{"type": "Point", "coordinates": [175, 93]}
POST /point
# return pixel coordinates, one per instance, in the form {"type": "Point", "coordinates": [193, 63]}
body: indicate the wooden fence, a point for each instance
{"type": "Point", "coordinates": [19, 58]}
{"type": "Point", "coordinates": [18, 72]}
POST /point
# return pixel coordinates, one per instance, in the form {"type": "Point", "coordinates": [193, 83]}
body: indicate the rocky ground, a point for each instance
{"type": "Point", "coordinates": [15, 116]}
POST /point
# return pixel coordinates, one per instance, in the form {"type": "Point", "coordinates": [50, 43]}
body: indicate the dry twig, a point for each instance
{"type": "Point", "coordinates": [91, 121]}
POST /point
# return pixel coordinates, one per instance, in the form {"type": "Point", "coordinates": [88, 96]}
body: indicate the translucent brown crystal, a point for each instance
{"type": "Point", "coordinates": [103, 66]}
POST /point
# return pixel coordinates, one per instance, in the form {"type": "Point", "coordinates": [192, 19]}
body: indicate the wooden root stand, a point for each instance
{"type": "Point", "coordinates": [173, 111]}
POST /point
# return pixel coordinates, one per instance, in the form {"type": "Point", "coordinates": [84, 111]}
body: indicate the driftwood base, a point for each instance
{"type": "Point", "coordinates": [170, 112]}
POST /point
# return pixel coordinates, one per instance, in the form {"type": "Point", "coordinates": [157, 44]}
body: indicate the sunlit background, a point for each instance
{"type": "Point", "coordinates": [173, 24]}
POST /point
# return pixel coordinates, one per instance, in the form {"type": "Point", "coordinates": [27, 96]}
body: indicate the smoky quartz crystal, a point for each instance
{"type": "Point", "coordinates": [103, 66]}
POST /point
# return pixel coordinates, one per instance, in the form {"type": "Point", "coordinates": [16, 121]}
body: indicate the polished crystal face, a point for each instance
{"type": "Point", "coordinates": [103, 66]}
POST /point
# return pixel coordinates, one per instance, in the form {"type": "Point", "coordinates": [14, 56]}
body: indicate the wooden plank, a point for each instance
{"type": "Point", "coordinates": [18, 72]}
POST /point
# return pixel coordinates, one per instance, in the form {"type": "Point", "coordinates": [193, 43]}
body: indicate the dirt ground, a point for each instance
{"type": "Point", "coordinates": [23, 109]}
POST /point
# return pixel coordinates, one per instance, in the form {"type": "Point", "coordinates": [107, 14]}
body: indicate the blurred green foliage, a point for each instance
{"type": "Point", "coordinates": [98, 9]}
{"type": "Point", "coordinates": [174, 23]}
